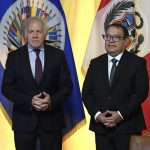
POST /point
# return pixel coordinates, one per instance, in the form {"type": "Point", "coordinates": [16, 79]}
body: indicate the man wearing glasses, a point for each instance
{"type": "Point", "coordinates": [115, 86]}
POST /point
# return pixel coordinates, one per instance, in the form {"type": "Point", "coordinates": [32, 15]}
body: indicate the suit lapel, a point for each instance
{"type": "Point", "coordinates": [121, 66]}
{"type": "Point", "coordinates": [27, 63]}
{"type": "Point", "coordinates": [48, 58]}
{"type": "Point", "coordinates": [104, 71]}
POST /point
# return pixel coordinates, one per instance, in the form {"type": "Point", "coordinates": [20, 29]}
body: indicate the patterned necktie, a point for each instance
{"type": "Point", "coordinates": [38, 67]}
{"type": "Point", "coordinates": [113, 69]}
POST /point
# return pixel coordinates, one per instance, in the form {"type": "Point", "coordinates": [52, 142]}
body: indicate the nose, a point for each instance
{"type": "Point", "coordinates": [111, 39]}
{"type": "Point", "coordinates": [34, 34]}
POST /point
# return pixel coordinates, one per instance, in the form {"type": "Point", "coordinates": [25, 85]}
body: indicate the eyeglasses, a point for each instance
{"type": "Point", "coordinates": [114, 38]}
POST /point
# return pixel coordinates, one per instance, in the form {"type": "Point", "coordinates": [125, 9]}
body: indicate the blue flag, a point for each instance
{"type": "Point", "coordinates": [12, 14]}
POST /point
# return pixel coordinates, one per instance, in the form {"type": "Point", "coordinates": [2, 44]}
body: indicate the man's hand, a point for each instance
{"type": "Point", "coordinates": [36, 102]}
{"type": "Point", "coordinates": [109, 118]}
{"type": "Point", "coordinates": [114, 116]}
{"type": "Point", "coordinates": [46, 102]}
{"type": "Point", "coordinates": [41, 102]}
{"type": "Point", "coordinates": [106, 120]}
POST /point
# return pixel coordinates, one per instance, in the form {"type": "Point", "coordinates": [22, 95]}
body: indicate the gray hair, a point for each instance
{"type": "Point", "coordinates": [29, 20]}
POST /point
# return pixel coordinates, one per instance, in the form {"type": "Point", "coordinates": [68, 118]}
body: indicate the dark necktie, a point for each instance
{"type": "Point", "coordinates": [113, 69]}
{"type": "Point", "coordinates": [38, 67]}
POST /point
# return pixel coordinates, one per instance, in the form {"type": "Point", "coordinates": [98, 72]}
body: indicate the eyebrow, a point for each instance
{"type": "Point", "coordinates": [115, 34]}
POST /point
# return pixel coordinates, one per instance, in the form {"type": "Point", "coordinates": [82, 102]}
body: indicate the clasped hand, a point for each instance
{"type": "Point", "coordinates": [109, 119]}
{"type": "Point", "coordinates": [41, 102]}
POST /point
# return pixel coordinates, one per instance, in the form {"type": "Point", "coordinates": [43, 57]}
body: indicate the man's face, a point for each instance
{"type": "Point", "coordinates": [115, 47]}
{"type": "Point", "coordinates": [35, 34]}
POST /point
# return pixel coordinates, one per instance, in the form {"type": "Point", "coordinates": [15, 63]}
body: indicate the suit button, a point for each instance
{"type": "Point", "coordinates": [109, 97]}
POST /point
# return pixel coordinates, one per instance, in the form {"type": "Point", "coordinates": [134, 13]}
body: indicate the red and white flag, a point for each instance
{"type": "Point", "coordinates": [143, 27]}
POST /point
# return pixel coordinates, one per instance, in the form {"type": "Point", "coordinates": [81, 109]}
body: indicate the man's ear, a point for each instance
{"type": "Point", "coordinates": [24, 38]}
{"type": "Point", "coordinates": [127, 42]}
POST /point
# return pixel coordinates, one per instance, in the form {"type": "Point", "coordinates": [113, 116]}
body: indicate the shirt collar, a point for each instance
{"type": "Point", "coordinates": [118, 57]}
{"type": "Point", "coordinates": [30, 49]}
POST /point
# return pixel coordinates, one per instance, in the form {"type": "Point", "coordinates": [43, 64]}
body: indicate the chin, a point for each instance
{"type": "Point", "coordinates": [35, 46]}
{"type": "Point", "coordinates": [112, 52]}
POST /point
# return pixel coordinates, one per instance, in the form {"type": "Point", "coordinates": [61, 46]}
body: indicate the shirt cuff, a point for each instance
{"type": "Point", "coordinates": [96, 115]}
{"type": "Point", "coordinates": [120, 114]}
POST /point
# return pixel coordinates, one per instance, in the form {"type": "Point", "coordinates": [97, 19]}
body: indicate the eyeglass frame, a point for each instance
{"type": "Point", "coordinates": [112, 37]}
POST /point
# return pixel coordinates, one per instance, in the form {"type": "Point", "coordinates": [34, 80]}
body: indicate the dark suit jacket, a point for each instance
{"type": "Point", "coordinates": [129, 89]}
{"type": "Point", "coordinates": [19, 86]}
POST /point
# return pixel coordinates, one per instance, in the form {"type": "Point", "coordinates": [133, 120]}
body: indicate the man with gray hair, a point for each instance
{"type": "Point", "coordinates": [37, 81]}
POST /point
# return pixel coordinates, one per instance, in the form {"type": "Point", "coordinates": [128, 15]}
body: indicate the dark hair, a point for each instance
{"type": "Point", "coordinates": [124, 29]}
